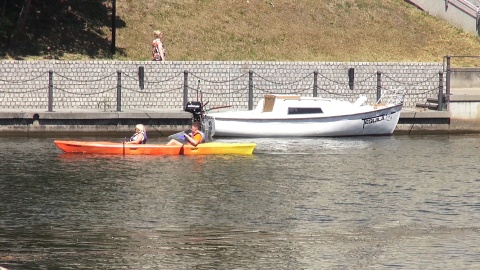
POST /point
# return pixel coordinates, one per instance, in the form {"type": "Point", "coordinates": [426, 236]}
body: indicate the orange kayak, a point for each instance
{"type": "Point", "coordinates": [115, 148]}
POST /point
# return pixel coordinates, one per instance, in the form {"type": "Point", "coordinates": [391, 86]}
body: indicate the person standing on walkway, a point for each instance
{"type": "Point", "coordinates": [158, 49]}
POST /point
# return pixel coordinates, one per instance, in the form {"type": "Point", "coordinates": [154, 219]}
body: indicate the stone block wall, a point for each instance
{"type": "Point", "coordinates": [94, 84]}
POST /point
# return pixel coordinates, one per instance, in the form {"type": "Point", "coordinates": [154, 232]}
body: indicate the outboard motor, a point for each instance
{"type": "Point", "coordinates": [196, 109]}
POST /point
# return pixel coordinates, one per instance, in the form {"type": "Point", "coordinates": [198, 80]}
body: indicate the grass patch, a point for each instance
{"type": "Point", "coordinates": [258, 30]}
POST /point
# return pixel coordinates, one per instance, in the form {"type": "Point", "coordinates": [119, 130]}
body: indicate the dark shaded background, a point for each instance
{"type": "Point", "coordinates": [55, 27]}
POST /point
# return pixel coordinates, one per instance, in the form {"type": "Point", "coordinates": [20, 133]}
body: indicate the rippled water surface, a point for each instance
{"type": "Point", "coordinates": [399, 202]}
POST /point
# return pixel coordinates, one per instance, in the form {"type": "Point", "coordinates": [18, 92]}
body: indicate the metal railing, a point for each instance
{"type": "Point", "coordinates": [448, 69]}
{"type": "Point", "coordinates": [467, 6]}
{"type": "Point", "coordinates": [114, 89]}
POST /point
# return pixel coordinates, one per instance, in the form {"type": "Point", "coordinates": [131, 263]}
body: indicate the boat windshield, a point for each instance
{"type": "Point", "coordinates": [295, 110]}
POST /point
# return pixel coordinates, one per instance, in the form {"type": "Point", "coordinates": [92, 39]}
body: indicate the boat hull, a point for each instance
{"type": "Point", "coordinates": [113, 148]}
{"type": "Point", "coordinates": [380, 121]}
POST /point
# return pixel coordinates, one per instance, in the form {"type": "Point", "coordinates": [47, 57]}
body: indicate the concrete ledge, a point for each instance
{"type": "Point", "coordinates": [463, 98]}
{"type": "Point", "coordinates": [423, 122]}
{"type": "Point", "coordinates": [93, 114]}
{"type": "Point", "coordinates": [165, 122]}
{"type": "Point", "coordinates": [406, 113]}
{"type": "Point", "coordinates": [159, 122]}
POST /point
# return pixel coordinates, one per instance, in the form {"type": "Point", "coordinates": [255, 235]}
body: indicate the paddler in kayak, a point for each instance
{"type": "Point", "coordinates": [140, 136]}
{"type": "Point", "coordinates": [194, 138]}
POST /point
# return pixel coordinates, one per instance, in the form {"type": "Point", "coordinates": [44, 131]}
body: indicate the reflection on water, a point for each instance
{"type": "Point", "coordinates": [401, 202]}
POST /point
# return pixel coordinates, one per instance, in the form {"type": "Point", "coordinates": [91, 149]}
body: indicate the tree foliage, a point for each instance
{"type": "Point", "coordinates": [52, 28]}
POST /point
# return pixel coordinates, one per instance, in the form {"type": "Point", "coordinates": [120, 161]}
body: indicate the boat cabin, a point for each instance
{"type": "Point", "coordinates": [269, 101]}
{"type": "Point", "coordinates": [296, 105]}
{"type": "Point", "coordinates": [289, 104]}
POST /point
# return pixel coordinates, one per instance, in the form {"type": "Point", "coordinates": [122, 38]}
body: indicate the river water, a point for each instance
{"type": "Point", "coordinates": [394, 202]}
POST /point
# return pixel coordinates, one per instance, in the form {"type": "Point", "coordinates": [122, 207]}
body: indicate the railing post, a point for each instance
{"type": "Point", "coordinates": [250, 90]}
{"type": "Point", "coordinates": [315, 83]}
{"type": "Point", "coordinates": [141, 77]}
{"type": "Point", "coordinates": [447, 88]}
{"type": "Point", "coordinates": [379, 85]}
{"type": "Point", "coordinates": [119, 90]}
{"type": "Point", "coordinates": [185, 88]}
{"type": "Point", "coordinates": [50, 90]}
{"type": "Point", "coordinates": [440, 91]}
{"type": "Point", "coordinates": [351, 78]}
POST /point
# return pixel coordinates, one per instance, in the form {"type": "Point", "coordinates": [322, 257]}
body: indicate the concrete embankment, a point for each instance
{"type": "Point", "coordinates": [414, 122]}
{"type": "Point", "coordinates": [461, 117]}
{"type": "Point", "coordinates": [82, 95]}
{"type": "Point", "coordinates": [90, 122]}
{"type": "Point", "coordinates": [40, 123]}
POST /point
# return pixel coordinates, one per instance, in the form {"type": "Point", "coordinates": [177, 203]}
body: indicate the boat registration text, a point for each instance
{"type": "Point", "coordinates": [371, 120]}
